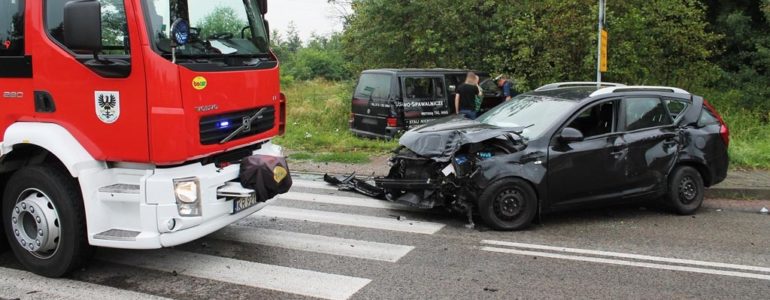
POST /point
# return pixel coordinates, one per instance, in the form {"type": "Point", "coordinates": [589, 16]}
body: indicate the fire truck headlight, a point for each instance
{"type": "Point", "coordinates": [187, 192]}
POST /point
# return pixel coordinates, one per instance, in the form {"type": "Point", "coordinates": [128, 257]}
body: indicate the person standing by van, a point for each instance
{"type": "Point", "coordinates": [506, 85]}
{"type": "Point", "coordinates": [465, 99]}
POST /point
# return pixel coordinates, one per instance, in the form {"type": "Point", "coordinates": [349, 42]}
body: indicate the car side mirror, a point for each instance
{"type": "Point", "coordinates": [570, 135]}
{"type": "Point", "coordinates": [83, 25]}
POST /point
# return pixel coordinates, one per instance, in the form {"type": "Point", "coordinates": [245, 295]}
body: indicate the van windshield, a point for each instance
{"type": "Point", "coordinates": [373, 86]}
{"type": "Point", "coordinates": [222, 28]}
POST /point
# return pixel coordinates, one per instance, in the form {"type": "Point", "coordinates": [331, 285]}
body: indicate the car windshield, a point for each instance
{"type": "Point", "coordinates": [218, 28]}
{"type": "Point", "coordinates": [536, 113]}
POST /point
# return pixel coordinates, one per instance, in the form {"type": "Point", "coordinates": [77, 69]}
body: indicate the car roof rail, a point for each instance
{"type": "Point", "coordinates": [559, 85]}
{"type": "Point", "coordinates": [639, 88]}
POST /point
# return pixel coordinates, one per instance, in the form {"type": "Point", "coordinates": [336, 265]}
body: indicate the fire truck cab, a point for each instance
{"type": "Point", "coordinates": [123, 123]}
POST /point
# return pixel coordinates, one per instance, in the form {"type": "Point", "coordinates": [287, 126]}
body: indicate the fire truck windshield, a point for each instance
{"type": "Point", "coordinates": [220, 28]}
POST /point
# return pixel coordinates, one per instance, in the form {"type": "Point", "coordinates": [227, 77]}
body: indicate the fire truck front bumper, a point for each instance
{"type": "Point", "coordinates": [174, 205]}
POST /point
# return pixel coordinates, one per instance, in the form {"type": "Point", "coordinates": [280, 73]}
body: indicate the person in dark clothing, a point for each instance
{"type": "Point", "coordinates": [465, 99]}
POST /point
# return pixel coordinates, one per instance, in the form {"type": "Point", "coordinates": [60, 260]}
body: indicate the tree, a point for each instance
{"type": "Point", "coordinates": [536, 41]}
{"type": "Point", "coordinates": [221, 20]}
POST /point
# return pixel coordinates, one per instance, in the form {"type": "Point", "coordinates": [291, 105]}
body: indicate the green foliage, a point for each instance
{"type": "Point", "coordinates": [222, 20]}
{"type": "Point", "coordinates": [321, 58]}
{"type": "Point", "coordinates": [745, 61]}
{"type": "Point", "coordinates": [317, 116]}
{"type": "Point", "coordinates": [537, 41]}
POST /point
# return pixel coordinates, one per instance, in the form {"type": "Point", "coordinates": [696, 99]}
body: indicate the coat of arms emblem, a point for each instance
{"type": "Point", "coordinates": [107, 106]}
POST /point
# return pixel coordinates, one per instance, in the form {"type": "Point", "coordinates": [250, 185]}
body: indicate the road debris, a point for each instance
{"type": "Point", "coordinates": [764, 211]}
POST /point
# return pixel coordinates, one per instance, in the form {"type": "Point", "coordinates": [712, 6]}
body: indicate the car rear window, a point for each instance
{"type": "Point", "coordinates": [373, 86]}
{"type": "Point", "coordinates": [676, 107]}
{"type": "Point", "coordinates": [707, 118]}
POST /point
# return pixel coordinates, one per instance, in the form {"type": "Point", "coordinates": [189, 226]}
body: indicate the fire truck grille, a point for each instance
{"type": "Point", "coordinates": [214, 129]}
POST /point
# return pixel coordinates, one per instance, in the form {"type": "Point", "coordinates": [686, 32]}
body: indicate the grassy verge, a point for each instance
{"type": "Point", "coordinates": [749, 130]}
{"type": "Point", "coordinates": [317, 129]}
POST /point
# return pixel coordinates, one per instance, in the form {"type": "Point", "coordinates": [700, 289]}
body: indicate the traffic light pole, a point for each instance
{"type": "Point", "coordinates": [602, 4]}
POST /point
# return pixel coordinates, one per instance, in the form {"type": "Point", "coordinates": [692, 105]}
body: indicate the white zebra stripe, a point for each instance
{"type": "Point", "coordinates": [315, 243]}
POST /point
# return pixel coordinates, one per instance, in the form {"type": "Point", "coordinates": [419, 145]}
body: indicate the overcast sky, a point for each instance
{"type": "Point", "coordinates": [310, 16]}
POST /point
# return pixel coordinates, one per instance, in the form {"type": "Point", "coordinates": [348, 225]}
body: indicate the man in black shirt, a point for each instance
{"type": "Point", "coordinates": [465, 99]}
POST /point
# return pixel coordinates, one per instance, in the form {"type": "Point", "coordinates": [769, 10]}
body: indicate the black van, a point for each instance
{"type": "Point", "coordinates": [387, 101]}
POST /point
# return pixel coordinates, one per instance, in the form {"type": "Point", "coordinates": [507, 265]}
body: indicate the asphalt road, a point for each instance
{"type": "Point", "coordinates": [321, 243]}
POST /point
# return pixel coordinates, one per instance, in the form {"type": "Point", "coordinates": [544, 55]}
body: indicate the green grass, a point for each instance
{"type": "Point", "coordinates": [749, 138]}
{"type": "Point", "coordinates": [317, 124]}
{"type": "Point", "coordinates": [749, 129]}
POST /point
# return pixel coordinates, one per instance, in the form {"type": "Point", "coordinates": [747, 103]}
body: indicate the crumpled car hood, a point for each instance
{"type": "Point", "coordinates": [440, 139]}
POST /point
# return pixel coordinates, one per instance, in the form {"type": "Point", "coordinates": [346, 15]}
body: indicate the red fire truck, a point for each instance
{"type": "Point", "coordinates": [123, 123]}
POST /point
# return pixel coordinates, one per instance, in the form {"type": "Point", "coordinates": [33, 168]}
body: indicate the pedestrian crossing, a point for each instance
{"type": "Point", "coordinates": [314, 198]}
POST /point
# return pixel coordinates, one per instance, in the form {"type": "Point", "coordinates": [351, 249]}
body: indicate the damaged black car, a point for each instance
{"type": "Point", "coordinates": [559, 147]}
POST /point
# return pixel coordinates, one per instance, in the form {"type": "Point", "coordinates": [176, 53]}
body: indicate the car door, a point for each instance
{"type": "Point", "coordinates": [592, 169]}
{"type": "Point", "coordinates": [425, 99]}
{"type": "Point", "coordinates": [16, 95]}
{"type": "Point", "coordinates": [653, 143]}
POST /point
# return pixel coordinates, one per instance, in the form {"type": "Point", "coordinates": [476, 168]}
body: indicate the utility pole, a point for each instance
{"type": "Point", "coordinates": [601, 58]}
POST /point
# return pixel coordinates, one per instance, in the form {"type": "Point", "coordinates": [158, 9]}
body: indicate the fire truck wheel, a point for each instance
{"type": "Point", "coordinates": [44, 219]}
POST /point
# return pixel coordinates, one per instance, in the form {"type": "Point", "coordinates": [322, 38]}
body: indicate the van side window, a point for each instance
{"type": "Point", "coordinates": [12, 28]}
{"type": "Point", "coordinates": [373, 86]}
{"type": "Point", "coordinates": [418, 88]}
{"type": "Point", "coordinates": [114, 27]}
{"type": "Point", "coordinates": [645, 113]}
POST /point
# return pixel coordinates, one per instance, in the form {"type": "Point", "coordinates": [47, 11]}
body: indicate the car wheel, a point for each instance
{"type": "Point", "coordinates": [44, 220]}
{"type": "Point", "coordinates": [508, 204]}
{"type": "Point", "coordinates": [685, 190]}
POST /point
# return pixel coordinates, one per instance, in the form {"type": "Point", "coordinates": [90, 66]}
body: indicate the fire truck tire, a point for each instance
{"type": "Point", "coordinates": [44, 220]}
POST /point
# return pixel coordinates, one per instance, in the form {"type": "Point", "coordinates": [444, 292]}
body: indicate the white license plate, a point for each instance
{"type": "Point", "coordinates": [241, 204]}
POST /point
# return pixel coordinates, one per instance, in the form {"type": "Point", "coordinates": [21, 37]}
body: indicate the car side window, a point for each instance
{"type": "Point", "coordinates": [641, 113]}
{"type": "Point", "coordinates": [12, 28]}
{"type": "Point", "coordinates": [676, 107]}
{"type": "Point", "coordinates": [596, 120]}
{"type": "Point", "coordinates": [114, 26]}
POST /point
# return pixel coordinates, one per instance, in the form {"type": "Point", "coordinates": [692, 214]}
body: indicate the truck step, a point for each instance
{"type": "Point", "coordinates": [120, 193]}
{"type": "Point", "coordinates": [121, 189]}
{"type": "Point", "coordinates": [117, 235]}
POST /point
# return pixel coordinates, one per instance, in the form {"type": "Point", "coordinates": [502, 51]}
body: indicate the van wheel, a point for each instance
{"type": "Point", "coordinates": [508, 204]}
{"type": "Point", "coordinates": [44, 220]}
{"type": "Point", "coordinates": [685, 190]}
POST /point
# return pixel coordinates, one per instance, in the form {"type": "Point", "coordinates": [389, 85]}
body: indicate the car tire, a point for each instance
{"type": "Point", "coordinates": [685, 190]}
{"type": "Point", "coordinates": [61, 236]}
{"type": "Point", "coordinates": [508, 204]}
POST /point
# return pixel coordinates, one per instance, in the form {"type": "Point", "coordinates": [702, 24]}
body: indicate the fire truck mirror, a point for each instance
{"type": "Point", "coordinates": [83, 26]}
{"type": "Point", "coordinates": [263, 6]}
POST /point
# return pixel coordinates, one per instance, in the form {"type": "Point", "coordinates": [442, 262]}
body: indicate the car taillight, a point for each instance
{"type": "Point", "coordinates": [392, 122]}
{"type": "Point", "coordinates": [724, 131]}
{"type": "Point", "coordinates": [282, 115]}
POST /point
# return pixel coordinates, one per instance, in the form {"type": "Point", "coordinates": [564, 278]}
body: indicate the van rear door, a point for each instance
{"type": "Point", "coordinates": [373, 103]}
{"type": "Point", "coordinates": [425, 99]}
